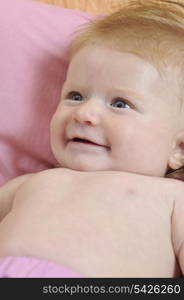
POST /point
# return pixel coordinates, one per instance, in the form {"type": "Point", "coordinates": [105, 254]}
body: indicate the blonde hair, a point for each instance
{"type": "Point", "coordinates": [151, 29]}
{"type": "Point", "coordinates": [146, 24]}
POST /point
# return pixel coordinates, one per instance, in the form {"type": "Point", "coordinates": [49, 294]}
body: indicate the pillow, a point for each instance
{"type": "Point", "coordinates": [34, 39]}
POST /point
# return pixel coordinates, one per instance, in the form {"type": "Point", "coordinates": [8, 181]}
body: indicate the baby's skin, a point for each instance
{"type": "Point", "coordinates": [101, 224]}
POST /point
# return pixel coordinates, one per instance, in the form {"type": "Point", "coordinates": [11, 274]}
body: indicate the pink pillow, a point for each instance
{"type": "Point", "coordinates": [34, 40]}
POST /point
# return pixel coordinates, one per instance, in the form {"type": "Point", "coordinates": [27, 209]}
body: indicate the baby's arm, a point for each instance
{"type": "Point", "coordinates": [7, 193]}
{"type": "Point", "coordinates": [178, 226]}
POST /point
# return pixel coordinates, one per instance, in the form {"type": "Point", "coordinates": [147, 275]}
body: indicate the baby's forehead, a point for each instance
{"type": "Point", "coordinates": [97, 56]}
{"type": "Point", "coordinates": [96, 52]}
{"type": "Point", "coordinates": [118, 65]}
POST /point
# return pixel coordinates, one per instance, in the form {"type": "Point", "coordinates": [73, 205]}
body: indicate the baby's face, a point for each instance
{"type": "Point", "coordinates": [115, 114]}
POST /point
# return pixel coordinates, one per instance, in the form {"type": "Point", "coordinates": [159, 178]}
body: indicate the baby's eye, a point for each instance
{"type": "Point", "coordinates": [75, 96]}
{"type": "Point", "coordinates": [120, 103]}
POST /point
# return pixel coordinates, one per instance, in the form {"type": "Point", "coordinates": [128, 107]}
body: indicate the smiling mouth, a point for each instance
{"type": "Point", "coordinates": [87, 142]}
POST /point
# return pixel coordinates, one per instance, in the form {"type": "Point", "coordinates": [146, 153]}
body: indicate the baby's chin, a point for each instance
{"type": "Point", "coordinates": [84, 166]}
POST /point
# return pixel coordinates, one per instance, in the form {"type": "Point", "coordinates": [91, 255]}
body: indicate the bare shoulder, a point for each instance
{"type": "Point", "coordinates": [176, 188]}
{"type": "Point", "coordinates": [174, 185]}
{"type": "Point", "coordinates": [43, 187]}
{"type": "Point", "coordinates": [174, 192]}
{"type": "Point", "coordinates": [47, 178]}
{"type": "Point", "coordinates": [8, 192]}
{"type": "Point", "coordinates": [177, 224]}
{"type": "Point", "coordinates": [177, 221]}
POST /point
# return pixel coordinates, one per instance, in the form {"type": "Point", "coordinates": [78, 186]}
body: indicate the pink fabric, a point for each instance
{"type": "Point", "coordinates": [29, 267]}
{"type": "Point", "coordinates": [34, 40]}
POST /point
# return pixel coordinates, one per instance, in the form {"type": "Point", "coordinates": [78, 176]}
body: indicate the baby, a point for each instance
{"type": "Point", "coordinates": [107, 209]}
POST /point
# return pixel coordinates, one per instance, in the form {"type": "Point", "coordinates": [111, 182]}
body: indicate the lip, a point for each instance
{"type": "Point", "coordinates": [85, 142]}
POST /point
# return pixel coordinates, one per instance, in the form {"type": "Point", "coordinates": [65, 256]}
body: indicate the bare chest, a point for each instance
{"type": "Point", "coordinates": [100, 227]}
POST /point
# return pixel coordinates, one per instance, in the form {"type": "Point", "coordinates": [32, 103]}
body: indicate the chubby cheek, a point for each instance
{"type": "Point", "coordinates": [59, 122]}
{"type": "Point", "coordinates": [56, 139]}
{"type": "Point", "coordinates": [141, 148]}
{"type": "Point", "coordinates": [56, 132]}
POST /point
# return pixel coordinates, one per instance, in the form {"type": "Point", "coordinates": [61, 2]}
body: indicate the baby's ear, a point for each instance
{"type": "Point", "coordinates": [176, 160]}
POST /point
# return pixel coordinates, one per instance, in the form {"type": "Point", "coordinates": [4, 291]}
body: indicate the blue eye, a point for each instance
{"type": "Point", "coordinates": [75, 96]}
{"type": "Point", "coordinates": [120, 103]}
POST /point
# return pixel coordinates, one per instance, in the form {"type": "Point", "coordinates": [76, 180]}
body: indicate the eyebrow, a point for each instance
{"type": "Point", "coordinates": [72, 84]}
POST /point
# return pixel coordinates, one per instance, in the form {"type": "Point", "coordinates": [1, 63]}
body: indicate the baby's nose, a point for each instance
{"type": "Point", "coordinates": [88, 113]}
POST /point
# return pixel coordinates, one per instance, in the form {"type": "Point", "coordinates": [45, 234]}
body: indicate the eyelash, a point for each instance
{"type": "Point", "coordinates": [74, 93]}
{"type": "Point", "coordinates": [120, 100]}
{"type": "Point", "coordinates": [71, 94]}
